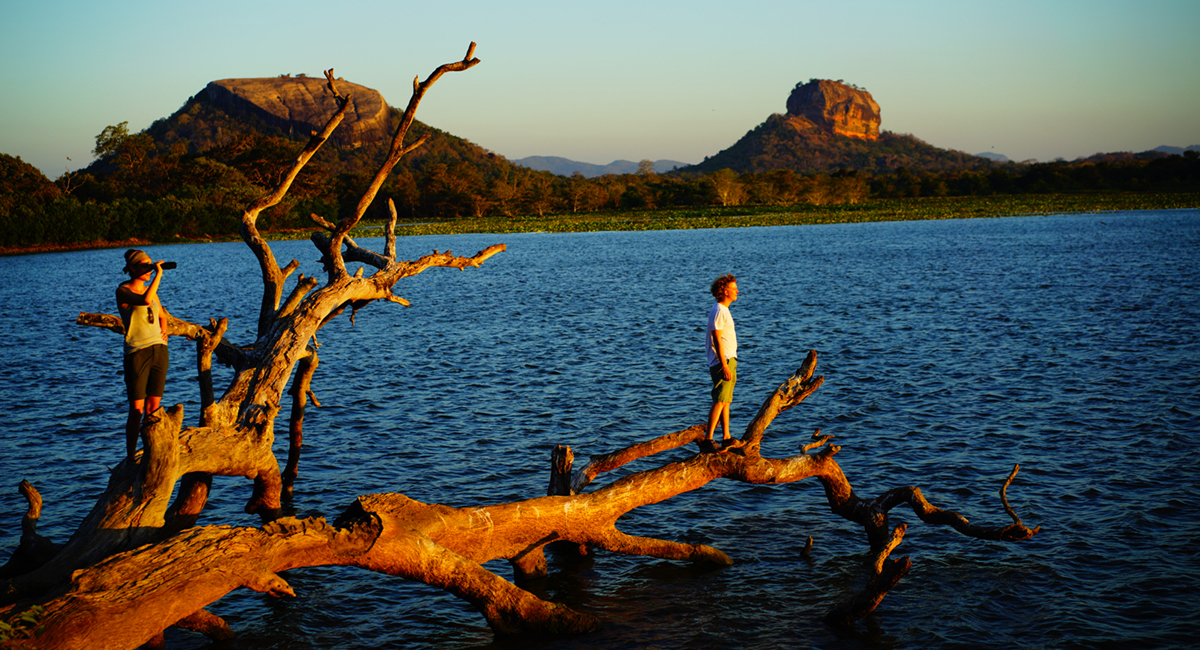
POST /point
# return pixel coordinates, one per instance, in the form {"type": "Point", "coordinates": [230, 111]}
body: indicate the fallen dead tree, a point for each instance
{"type": "Point", "coordinates": [138, 563]}
{"type": "Point", "coordinates": [173, 580]}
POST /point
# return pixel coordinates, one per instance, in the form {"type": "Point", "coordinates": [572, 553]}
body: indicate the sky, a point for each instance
{"type": "Point", "coordinates": [605, 80]}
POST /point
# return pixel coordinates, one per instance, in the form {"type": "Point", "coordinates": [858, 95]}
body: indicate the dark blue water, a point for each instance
{"type": "Point", "coordinates": [951, 350]}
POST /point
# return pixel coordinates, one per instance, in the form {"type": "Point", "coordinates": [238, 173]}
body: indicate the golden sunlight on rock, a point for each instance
{"type": "Point", "coordinates": [835, 108]}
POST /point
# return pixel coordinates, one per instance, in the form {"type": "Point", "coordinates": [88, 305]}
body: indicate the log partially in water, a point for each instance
{"type": "Point", "coordinates": [447, 547]}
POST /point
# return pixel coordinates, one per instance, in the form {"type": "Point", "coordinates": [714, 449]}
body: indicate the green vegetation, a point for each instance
{"type": "Point", "coordinates": [747, 216]}
{"type": "Point", "coordinates": [188, 177]}
{"type": "Point", "coordinates": [23, 626]}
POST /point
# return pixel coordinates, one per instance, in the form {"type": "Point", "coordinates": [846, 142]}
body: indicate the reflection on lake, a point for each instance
{"type": "Point", "coordinates": [951, 350]}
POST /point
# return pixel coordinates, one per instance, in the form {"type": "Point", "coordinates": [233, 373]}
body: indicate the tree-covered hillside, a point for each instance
{"type": "Point", "coordinates": [22, 184]}
{"type": "Point", "coordinates": [775, 144]}
{"type": "Point", "coordinates": [203, 152]}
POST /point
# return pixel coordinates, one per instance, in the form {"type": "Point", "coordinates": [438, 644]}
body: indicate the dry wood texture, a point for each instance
{"type": "Point", "coordinates": [138, 564]}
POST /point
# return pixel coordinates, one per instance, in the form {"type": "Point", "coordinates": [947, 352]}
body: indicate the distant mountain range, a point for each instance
{"type": "Point", "coordinates": [1176, 151]}
{"type": "Point", "coordinates": [566, 167]}
{"type": "Point", "coordinates": [1163, 150]}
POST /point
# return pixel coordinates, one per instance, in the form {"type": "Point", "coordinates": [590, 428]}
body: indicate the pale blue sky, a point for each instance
{"type": "Point", "coordinates": [634, 79]}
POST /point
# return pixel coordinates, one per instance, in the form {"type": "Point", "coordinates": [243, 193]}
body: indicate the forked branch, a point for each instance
{"type": "Point", "coordinates": [790, 393]}
{"type": "Point", "coordinates": [272, 275]}
{"type": "Point", "coordinates": [398, 150]}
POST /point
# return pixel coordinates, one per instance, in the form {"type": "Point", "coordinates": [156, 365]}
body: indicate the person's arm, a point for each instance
{"type": "Point", "coordinates": [154, 302]}
{"type": "Point", "coordinates": [725, 372]}
{"type": "Point", "coordinates": [127, 296]}
{"type": "Point", "coordinates": [162, 319]}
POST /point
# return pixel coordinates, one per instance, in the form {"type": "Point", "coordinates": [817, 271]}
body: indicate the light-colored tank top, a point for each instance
{"type": "Point", "coordinates": [142, 333]}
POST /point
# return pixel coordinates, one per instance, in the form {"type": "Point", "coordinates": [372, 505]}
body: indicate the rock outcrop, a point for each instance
{"type": "Point", "coordinates": [302, 104]}
{"type": "Point", "coordinates": [834, 108]}
{"type": "Point", "coordinates": [832, 127]}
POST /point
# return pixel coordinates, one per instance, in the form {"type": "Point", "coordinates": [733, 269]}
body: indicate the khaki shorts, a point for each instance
{"type": "Point", "coordinates": [722, 391]}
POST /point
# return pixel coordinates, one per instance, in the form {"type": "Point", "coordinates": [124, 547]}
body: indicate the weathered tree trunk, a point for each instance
{"type": "Point", "coordinates": [138, 565]}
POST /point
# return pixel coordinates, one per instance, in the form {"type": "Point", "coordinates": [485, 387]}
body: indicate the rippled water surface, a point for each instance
{"type": "Point", "coordinates": [951, 350]}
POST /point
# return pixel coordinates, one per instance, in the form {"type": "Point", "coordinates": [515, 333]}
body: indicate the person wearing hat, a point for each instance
{"type": "Point", "coordinates": [146, 357]}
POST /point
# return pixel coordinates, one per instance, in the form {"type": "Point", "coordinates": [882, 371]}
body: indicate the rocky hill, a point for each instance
{"type": "Point", "coordinates": [255, 126]}
{"type": "Point", "coordinates": [230, 118]}
{"type": "Point", "coordinates": [235, 138]}
{"type": "Point", "coordinates": [299, 105]}
{"type": "Point", "coordinates": [831, 126]}
{"type": "Point", "coordinates": [833, 108]}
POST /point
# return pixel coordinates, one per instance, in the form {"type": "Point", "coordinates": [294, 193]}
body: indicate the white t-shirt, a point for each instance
{"type": "Point", "coordinates": [719, 318]}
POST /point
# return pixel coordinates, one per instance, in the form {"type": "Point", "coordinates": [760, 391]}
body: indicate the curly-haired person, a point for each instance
{"type": "Point", "coordinates": [721, 341]}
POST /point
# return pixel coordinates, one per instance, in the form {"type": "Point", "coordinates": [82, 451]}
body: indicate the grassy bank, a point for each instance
{"type": "Point", "coordinates": [970, 207]}
{"type": "Point", "coordinates": [743, 216]}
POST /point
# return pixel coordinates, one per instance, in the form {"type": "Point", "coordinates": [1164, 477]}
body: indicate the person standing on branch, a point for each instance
{"type": "Point", "coordinates": [146, 358]}
{"type": "Point", "coordinates": [721, 341]}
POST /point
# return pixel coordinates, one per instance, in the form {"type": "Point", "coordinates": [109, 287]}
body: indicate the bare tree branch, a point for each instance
{"type": "Point", "coordinates": [300, 393]}
{"type": "Point", "coordinates": [272, 275]}
{"type": "Point", "coordinates": [389, 232]}
{"type": "Point", "coordinates": [447, 547]}
{"type": "Point", "coordinates": [398, 150]}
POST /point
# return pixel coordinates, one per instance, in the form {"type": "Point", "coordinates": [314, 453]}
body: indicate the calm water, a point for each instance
{"type": "Point", "coordinates": [951, 350]}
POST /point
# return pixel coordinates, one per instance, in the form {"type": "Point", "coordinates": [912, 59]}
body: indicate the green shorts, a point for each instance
{"type": "Point", "coordinates": [146, 372]}
{"type": "Point", "coordinates": [722, 391]}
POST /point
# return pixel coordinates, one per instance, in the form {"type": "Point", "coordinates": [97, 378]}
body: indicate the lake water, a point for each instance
{"type": "Point", "coordinates": [951, 350]}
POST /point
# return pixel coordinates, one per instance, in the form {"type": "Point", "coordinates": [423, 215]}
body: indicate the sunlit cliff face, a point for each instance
{"type": "Point", "coordinates": [834, 108]}
{"type": "Point", "coordinates": [302, 104]}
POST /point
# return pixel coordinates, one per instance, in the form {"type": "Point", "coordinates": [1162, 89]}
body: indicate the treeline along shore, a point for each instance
{"type": "Point", "coordinates": [84, 212]}
{"type": "Point", "coordinates": [910, 209]}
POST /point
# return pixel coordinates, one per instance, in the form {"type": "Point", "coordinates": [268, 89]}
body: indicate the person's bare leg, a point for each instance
{"type": "Point", "coordinates": [718, 413]}
{"type": "Point", "coordinates": [729, 442]}
{"type": "Point", "coordinates": [714, 416]}
{"type": "Point", "coordinates": [725, 420]}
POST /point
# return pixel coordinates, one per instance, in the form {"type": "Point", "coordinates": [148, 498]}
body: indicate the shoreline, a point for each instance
{"type": "Point", "coordinates": [35, 249]}
{"type": "Point", "coordinates": [914, 209]}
